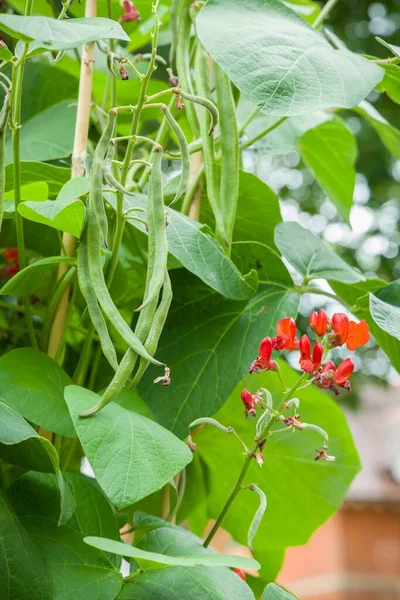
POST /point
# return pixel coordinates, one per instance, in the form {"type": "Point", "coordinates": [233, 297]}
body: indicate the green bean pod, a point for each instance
{"type": "Point", "coordinates": [210, 106]}
{"type": "Point", "coordinates": [96, 193]}
{"type": "Point", "coordinates": [95, 313]}
{"type": "Point", "coordinates": [3, 130]}
{"type": "Point", "coordinates": [229, 182]}
{"type": "Point", "coordinates": [210, 167]}
{"type": "Point", "coordinates": [183, 63]}
{"type": "Point", "coordinates": [109, 175]}
{"type": "Point", "coordinates": [156, 329]}
{"type": "Point", "coordinates": [175, 10]}
{"type": "Point", "coordinates": [185, 174]}
{"type": "Point", "coordinates": [157, 238]}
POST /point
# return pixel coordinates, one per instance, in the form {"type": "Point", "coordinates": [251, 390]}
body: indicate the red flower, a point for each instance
{"type": "Point", "coordinates": [11, 255]}
{"type": "Point", "coordinates": [240, 573]}
{"type": "Point", "coordinates": [349, 332]}
{"type": "Point", "coordinates": [263, 361]}
{"type": "Point", "coordinates": [249, 402]}
{"type": "Point", "coordinates": [319, 322]}
{"type": "Point", "coordinates": [10, 270]}
{"type": "Point", "coordinates": [308, 365]}
{"type": "Point", "coordinates": [285, 335]}
{"type": "Point", "coordinates": [343, 372]}
{"type": "Point", "coordinates": [330, 377]}
{"type": "Point", "coordinates": [130, 12]}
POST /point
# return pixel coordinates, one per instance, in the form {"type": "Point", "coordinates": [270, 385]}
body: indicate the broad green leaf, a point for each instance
{"type": "Point", "coordinates": [209, 343]}
{"type": "Point", "coordinates": [261, 258]}
{"type": "Point", "coordinates": [21, 445]}
{"type": "Point", "coordinates": [313, 258]}
{"type": "Point", "coordinates": [33, 385]}
{"type": "Point", "coordinates": [330, 151]}
{"type": "Point", "coordinates": [289, 68]}
{"type": "Point", "coordinates": [74, 188]}
{"type": "Point", "coordinates": [394, 49]}
{"type": "Point", "coordinates": [74, 567]}
{"type": "Point", "coordinates": [5, 53]}
{"type": "Point", "coordinates": [62, 214]}
{"type": "Point", "coordinates": [390, 136]}
{"type": "Point", "coordinates": [390, 83]}
{"type": "Point", "coordinates": [131, 456]}
{"type": "Point", "coordinates": [307, 9]}
{"type": "Point", "coordinates": [275, 592]}
{"type": "Point", "coordinates": [292, 481]}
{"type": "Point", "coordinates": [284, 138]}
{"type": "Point", "coordinates": [200, 253]}
{"type": "Point", "coordinates": [32, 172]}
{"type": "Point", "coordinates": [152, 560]}
{"type": "Point", "coordinates": [179, 583]}
{"type": "Point", "coordinates": [257, 211]}
{"type": "Point", "coordinates": [54, 34]}
{"type": "Point", "coordinates": [38, 141]}
{"type": "Point", "coordinates": [38, 191]}
{"type": "Point", "coordinates": [23, 573]}
{"type": "Point", "coordinates": [385, 309]}
{"type": "Point", "coordinates": [29, 280]}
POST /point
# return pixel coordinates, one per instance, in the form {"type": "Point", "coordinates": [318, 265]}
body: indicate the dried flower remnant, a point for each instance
{"type": "Point", "coordinates": [322, 455]}
{"type": "Point", "coordinates": [191, 444]}
{"type": "Point", "coordinates": [165, 379]}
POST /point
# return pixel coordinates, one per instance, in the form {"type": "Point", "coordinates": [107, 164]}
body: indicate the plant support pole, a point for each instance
{"type": "Point", "coordinates": [78, 170]}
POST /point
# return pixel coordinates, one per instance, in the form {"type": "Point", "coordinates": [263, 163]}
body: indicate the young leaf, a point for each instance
{"type": "Point", "coordinates": [29, 280]}
{"type": "Point", "coordinates": [209, 342]}
{"type": "Point", "coordinates": [73, 566]}
{"type": "Point", "coordinates": [313, 258]}
{"type": "Point", "coordinates": [23, 571]}
{"type": "Point", "coordinates": [63, 214]}
{"type": "Point", "coordinates": [275, 592]}
{"type": "Point", "coordinates": [200, 253]}
{"type": "Point", "coordinates": [33, 384]}
{"type": "Point", "coordinates": [31, 172]}
{"type": "Point", "coordinates": [54, 34]}
{"type": "Point", "coordinates": [74, 188]}
{"type": "Point", "coordinates": [390, 136]}
{"type": "Point", "coordinates": [258, 516]}
{"type": "Point", "coordinates": [390, 83]}
{"type": "Point", "coordinates": [152, 560]}
{"type": "Point", "coordinates": [330, 151]}
{"type": "Point", "coordinates": [263, 259]}
{"type": "Point", "coordinates": [274, 72]}
{"type": "Point", "coordinates": [385, 314]}
{"type": "Point", "coordinates": [131, 456]}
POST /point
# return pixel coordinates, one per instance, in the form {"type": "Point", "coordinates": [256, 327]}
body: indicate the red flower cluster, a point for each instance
{"type": "Point", "coordinates": [130, 13]}
{"type": "Point", "coordinates": [10, 256]}
{"type": "Point", "coordinates": [331, 333]}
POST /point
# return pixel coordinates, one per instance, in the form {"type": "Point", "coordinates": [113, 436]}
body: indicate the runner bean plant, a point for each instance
{"type": "Point", "coordinates": [150, 292]}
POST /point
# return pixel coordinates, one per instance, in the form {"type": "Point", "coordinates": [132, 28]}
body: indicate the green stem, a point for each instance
{"type": "Point", "coordinates": [248, 119]}
{"type": "Point", "coordinates": [238, 485]}
{"type": "Point", "coordinates": [262, 133]}
{"type": "Point", "coordinates": [323, 15]}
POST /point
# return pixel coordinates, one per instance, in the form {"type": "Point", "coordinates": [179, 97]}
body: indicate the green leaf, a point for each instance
{"type": "Point", "coordinates": [307, 9]}
{"type": "Point", "coordinates": [73, 566]}
{"type": "Point", "coordinates": [200, 253]}
{"type": "Point", "coordinates": [54, 34]}
{"type": "Point", "coordinates": [178, 583]}
{"type": "Point", "coordinates": [38, 141]}
{"type": "Point", "coordinates": [131, 456]}
{"type": "Point", "coordinates": [74, 188]}
{"type": "Point", "coordinates": [317, 489]}
{"type": "Point", "coordinates": [313, 258]}
{"type": "Point", "coordinates": [275, 592]}
{"type": "Point", "coordinates": [390, 136]}
{"type": "Point", "coordinates": [5, 53]}
{"type": "Point", "coordinates": [390, 83]}
{"type": "Point", "coordinates": [29, 280]}
{"type": "Point", "coordinates": [209, 343]}
{"type": "Point", "coordinates": [261, 258]}
{"type": "Point", "coordinates": [62, 214]}
{"type": "Point", "coordinates": [330, 151]}
{"type": "Point", "coordinates": [394, 49]}
{"type": "Point", "coordinates": [152, 560]}
{"type": "Point", "coordinates": [31, 172]}
{"type": "Point", "coordinates": [38, 191]}
{"type": "Point", "coordinates": [285, 55]}
{"type": "Point", "coordinates": [33, 384]}
{"type": "Point", "coordinates": [385, 309]}
{"type": "Point", "coordinates": [23, 574]}
{"type": "Point", "coordinates": [21, 445]}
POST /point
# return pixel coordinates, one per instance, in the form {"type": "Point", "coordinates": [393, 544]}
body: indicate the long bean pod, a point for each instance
{"type": "Point", "coordinates": [108, 172]}
{"type": "Point", "coordinates": [229, 181]}
{"type": "Point", "coordinates": [183, 63]}
{"type": "Point", "coordinates": [174, 19]}
{"type": "Point", "coordinates": [185, 173]}
{"type": "Point", "coordinates": [95, 313]}
{"type": "Point", "coordinates": [3, 130]}
{"type": "Point", "coordinates": [210, 106]}
{"type": "Point", "coordinates": [156, 219]}
{"type": "Point", "coordinates": [210, 167]}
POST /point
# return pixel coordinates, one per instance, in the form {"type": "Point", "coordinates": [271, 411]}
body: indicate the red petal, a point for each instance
{"type": "Point", "coordinates": [322, 322]}
{"type": "Point", "coordinates": [343, 371]}
{"type": "Point", "coordinates": [305, 347]}
{"type": "Point", "coordinates": [307, 366]}
{"type": "Point", "coordinates": [330, 366]}
{"type": "Point", "coordinates": [247, 399]}
{"type": "Point", "coordinates": [286, 329]}
{"type": "Point", "coordinates": [265, 350]}
{"type": "Point", "coordinates": [317, 354]}
{"type": "Point", "coordinates": [358, 335]}
{"type": "Point", "coordinates": [240, 573]}
{"type": "Point", "coordinates": [340, 325]}
{"type": "Point", "coordinates": [11, 255]}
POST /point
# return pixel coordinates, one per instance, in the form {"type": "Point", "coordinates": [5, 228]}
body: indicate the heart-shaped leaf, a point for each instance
{"type": "Point", "coordinates": [29, 280]}
{"type": "Point", "coordinates": [63, 214]}
{"type": "Point", "coordinates": [270, 54]}
{"type": "Point", "coordinates": [31, 172]}
{"type": "Point", "coordinates": [131, 456]}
